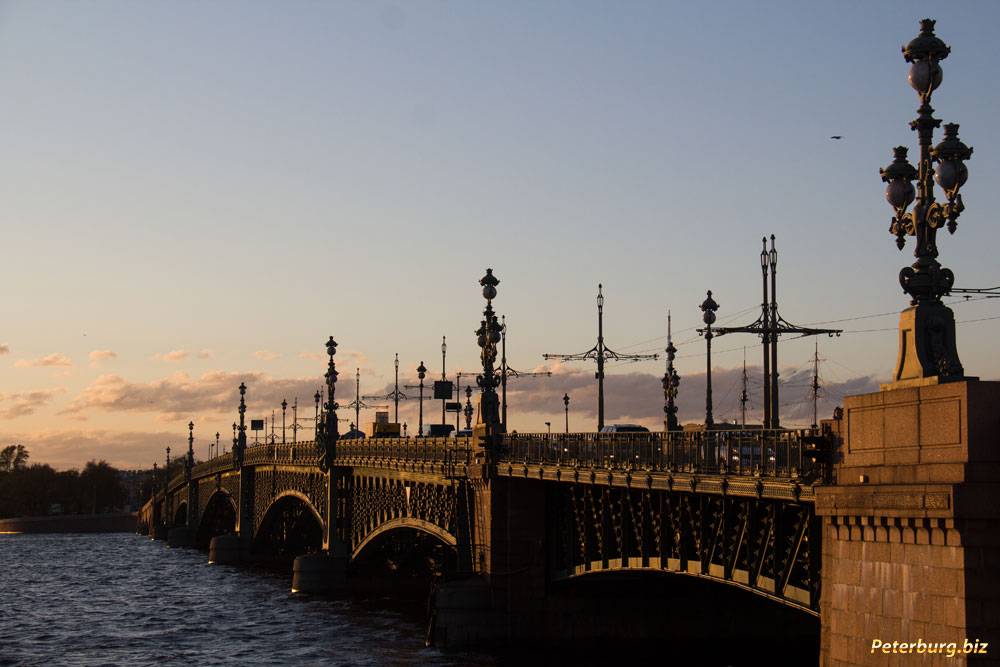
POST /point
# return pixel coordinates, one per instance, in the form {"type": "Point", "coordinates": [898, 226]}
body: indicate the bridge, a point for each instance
{"type": "Point", "coordinates": [879, 525]}
{"type": "Point", "coordinates": [524, 513]}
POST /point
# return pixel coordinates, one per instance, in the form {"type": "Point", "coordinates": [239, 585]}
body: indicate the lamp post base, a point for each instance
{"type": "Point", "coordinates": [927, 350]}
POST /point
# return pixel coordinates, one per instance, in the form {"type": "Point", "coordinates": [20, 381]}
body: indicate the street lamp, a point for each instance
{"type": "Point", "coordinates": [468, 408]}
{"type": "Point", "coordinates": [548, 428]}
{"type": "Point", "coordinates": [488, 335]}
{"type": "Point", "coordinates": [708, 308]}
{"type": "Point", "coordinates": [671, 380]}
{"type": "Point", "coordinates": [927, 346]}
{"type": "Point", "coordinates": [421, 373]}
{"type": "Point", "coordinates": [444, 377]}
{"type": "Point", "coordinates": [284, 407]}
{"type": "Point", "coordinates": [316, 430]}
{"type": "Point", "coordinates": [566, 404]}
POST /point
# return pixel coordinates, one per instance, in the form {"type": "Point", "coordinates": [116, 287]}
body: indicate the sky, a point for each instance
{"type": "Point", "coordinates": [199, 194]}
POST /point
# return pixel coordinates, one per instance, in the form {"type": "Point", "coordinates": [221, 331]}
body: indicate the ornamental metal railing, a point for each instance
{"type": "Point", "coordinates": [788, 454]}
{"type": "Point", "coordinates": [437, 450]}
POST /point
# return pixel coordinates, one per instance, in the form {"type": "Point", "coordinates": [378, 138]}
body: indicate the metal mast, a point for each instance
{"type": "Point", "coordinates": [769, 326]}
{"type": "Point", "coordinates": [600, 353]}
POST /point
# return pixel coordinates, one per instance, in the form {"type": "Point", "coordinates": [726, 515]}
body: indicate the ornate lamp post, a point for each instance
{"type": "Point", "coordinates": [421, 373]}
{"type": "Point", "coordinates": [488, 336]}
{"type": "Point", "coordinates": [927, 349]}
{"type": "Point", "coordinates": [234, 437]}
{"type": "Point", "coordinates": [316, 432]}
{"type": "Point", "coordinates": [671, 380]}
{"type": "Point", "coordinates": [468, 408]}
{"type": "Point", "coordinates": [241, 438]}
{"type": "Point", "coordinates": [189, 462]}
{"type": "Point", "coordinates": [217, 434]}
{"type": "Point", "coordinates": [166, 470]}
{"type": "Point", "coordinates": [284, 407]}
{"type": "Point", "coordinates": [444, 351]}
{"type": "Point", "coordinates": [566, 406]}
{"type": "Point", "coordinates": [330, 433]}
{"type": "Point", "coordinates": [708, 308]}
{"type": "Point", "coordinates": [548, 428]}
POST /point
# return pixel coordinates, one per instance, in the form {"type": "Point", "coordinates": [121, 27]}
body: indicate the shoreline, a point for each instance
{"type": "Point", "coordinates": [118, 522]}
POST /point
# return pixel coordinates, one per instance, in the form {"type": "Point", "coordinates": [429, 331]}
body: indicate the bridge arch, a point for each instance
{"type": "Point", "coordinates": [218, 518]}
{"type": "Point", "coordinates": [403, 523]}
{"type": "Point", "coordinates": [180, 514]}
{"type": "Point", "coordinates": [290, 526]}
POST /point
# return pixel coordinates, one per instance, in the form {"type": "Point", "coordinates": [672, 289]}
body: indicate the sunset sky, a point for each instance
{"type": "Point", "coordinates": [199, 194]}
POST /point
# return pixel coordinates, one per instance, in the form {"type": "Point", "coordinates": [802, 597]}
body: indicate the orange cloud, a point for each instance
{"type": "Point", "coordinates": [97, 356]}
{"type": "Point", "coordinates": [23, 404]}
{"type": "Point", "coordinates": [176, 355]}
{"type": "Point", "coordinates": [182, 396]}
{"type": "Point", "coordinates": [266, 355]}
{"type": "Point", "coordinates": [54, 359]}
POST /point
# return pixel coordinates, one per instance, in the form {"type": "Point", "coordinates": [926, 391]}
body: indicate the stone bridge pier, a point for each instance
{"type": "Point", "coordinates": [911, 528]}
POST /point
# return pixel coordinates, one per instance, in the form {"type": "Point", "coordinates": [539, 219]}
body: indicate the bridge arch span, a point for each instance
{"type": "Point", "coordinates": [218, 517]}
{"type": "Point", "coordinates": [289, 526]}
{"type": "Point", "coordinates": [403, 523]}
{"type": "Point", "coordinates": [180, 514]}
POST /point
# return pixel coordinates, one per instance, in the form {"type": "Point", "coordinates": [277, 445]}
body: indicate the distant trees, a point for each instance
{"type": "Point", "coordinates": [34, 490]}
{"type": "Point", "coordinates": [13, 457]}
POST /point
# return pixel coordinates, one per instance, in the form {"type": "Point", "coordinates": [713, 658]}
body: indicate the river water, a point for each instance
{"type": "Point", "coordinates": [122, 599]}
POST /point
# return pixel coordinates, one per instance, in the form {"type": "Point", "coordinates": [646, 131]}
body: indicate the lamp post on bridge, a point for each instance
{"type": "Point", "coordinates": [468, 408]}
{"type": "Point", "coordinates": [421, 374]}
{"type": "Point", "coordinates": [488, 335]}
{"type": "Point", "coordinates": [708, 308]}
{"type": "Point", "coordinates": [671, 380]}
{"type": "Point", "coordinates": [316, 430]}
{"type": "Point", "coordinates": [284, 407]}
{"type": "Point", "coordinates": [601, 353]}
{"type": "Point", "coordinates": [927, 347]}
{"type": "Point", "coordinates": [330, 432]}
{"type": "Point", "coordinates": [241, 438]}
{"type": "Point", "coordinates": [566, 405]}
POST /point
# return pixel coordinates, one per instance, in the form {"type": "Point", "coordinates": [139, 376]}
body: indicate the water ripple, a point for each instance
{"type": "Point", "coordinates": [124, 600]}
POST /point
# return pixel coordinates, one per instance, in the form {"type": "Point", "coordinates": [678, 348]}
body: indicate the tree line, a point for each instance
{"type": "Point", "coordinates": [38, 489]}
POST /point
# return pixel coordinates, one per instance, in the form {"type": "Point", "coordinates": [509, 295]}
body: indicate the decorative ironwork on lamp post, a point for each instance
{"type": "Point", "coordinates": [468, 408]}
{"type": "Point", "coordinates": [329, 434]}
{"type": "Point", "coordinates": [240, 446]}
{"type": "Point", "coordinates": [189, 460]}
{"type": "Point", "coordinates": [708, 308]}
{"type": "Point", "coordinates": [488, 335]}
{"type": "Point", "coordinates": [927, 346]}
{"type": "Point", "coordinates": [421, 374]}
{"type": "Point", "coordinates": [671, 380]}
{"type": "Point", "coordinates": [284, 407]}
{"type": "Point", "coordinates": [566, 408]}
{"type": "Point", "coordinates": [316, 430]}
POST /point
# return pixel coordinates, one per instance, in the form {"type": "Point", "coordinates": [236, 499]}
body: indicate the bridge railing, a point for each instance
{"type": "Point", "coordinates": [765, 453]}
{"type": "Point", "coordinates": [441, 450]}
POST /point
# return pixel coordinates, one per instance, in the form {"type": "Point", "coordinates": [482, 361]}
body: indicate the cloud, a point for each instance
{"type": "Point", "coordinates": [54, 359]}
{"type": "Point", "coordinates": [181, 396]}
{"type": "Point", "coordinates": [4, 349]}
{"type": "Point", "coordinates": [266, 355]}
{"type": "Point", "coordinates": [72, 448]}
{"type": "Point", "coordinates": [206, 354]}
{"type": "Point", "coordinates": [638, 397]}
{"type": "Point", "coordinates": [97, 356]}
{"type": "Point", "coordinates": [26, 403]}
{"type": "Point", "coordinates": [312, 356]}
{"type": "Point", "coordinates": [175, 355]}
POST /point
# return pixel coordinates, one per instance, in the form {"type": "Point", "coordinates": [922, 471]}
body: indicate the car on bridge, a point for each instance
{"type": "Point", "coordinates": [624, 428]}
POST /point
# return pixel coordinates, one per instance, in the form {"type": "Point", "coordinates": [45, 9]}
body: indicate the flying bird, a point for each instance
{"type": "Point", "coordinates": [837, 136]}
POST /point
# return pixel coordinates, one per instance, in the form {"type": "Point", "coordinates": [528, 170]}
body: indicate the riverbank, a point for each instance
{"type": "Point", "coordinates": [119, 522]}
